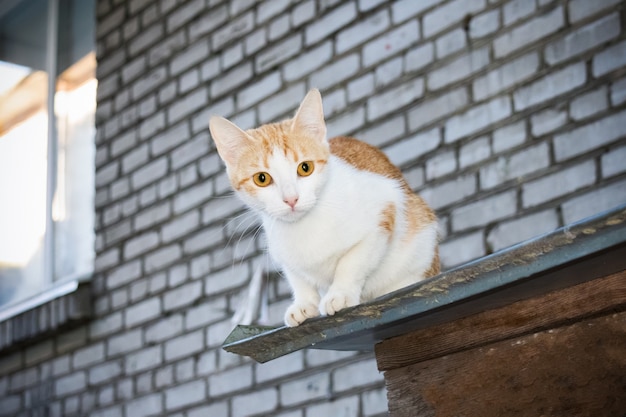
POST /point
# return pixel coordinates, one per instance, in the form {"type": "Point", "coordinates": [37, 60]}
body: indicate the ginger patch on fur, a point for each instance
{"type": "Point", "coordinates": [388, 219]}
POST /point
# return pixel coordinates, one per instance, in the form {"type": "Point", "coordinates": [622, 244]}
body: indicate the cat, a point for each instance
{"type": "Point", "coordinates": [340, 219]}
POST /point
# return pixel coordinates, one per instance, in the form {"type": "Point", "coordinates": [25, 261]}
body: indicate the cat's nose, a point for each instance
{"type": "Point", "coordinates": [291, 201]}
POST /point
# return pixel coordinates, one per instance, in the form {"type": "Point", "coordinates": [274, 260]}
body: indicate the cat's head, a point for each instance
{"type": "Point", "coordinates": [278, 169]}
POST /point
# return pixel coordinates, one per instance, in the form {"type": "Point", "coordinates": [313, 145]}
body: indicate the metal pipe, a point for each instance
{"type": "Point", "coordinates": [51, 69]}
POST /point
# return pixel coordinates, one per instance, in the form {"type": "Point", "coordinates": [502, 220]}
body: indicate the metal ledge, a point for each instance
{"type": "Point", "coordinates": [568, 256]}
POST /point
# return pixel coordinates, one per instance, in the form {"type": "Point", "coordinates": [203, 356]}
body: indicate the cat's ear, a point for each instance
{"type": "Point", "coordinates": [228, 138]}
{"type": "Point", "coordinates": [310, 116]}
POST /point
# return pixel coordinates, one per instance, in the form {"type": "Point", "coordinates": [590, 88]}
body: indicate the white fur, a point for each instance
{"type": "Point", "coordinates": [330, 245]}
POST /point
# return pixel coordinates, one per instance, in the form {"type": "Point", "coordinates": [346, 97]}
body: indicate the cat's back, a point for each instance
{"type": "Point", "coordinates": [365, 157]}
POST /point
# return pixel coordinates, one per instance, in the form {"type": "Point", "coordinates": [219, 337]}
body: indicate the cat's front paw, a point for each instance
{"type": "Point", "coordinates": [298, 312]}
{"type": "Point", "coordinates": [337, 300]}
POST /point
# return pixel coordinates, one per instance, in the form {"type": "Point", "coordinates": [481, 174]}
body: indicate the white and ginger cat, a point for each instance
{"type": "Point", "coordinates": [340, 219]}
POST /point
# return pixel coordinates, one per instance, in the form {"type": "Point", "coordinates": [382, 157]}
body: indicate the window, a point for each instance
{"type": "Point", "coordinates": [47, 130]}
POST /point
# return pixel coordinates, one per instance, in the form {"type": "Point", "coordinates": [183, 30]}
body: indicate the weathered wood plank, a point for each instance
{"type": "Point", "coordinates": [574, 370]}
{"type": "Point", "coordinates": [531, 315]}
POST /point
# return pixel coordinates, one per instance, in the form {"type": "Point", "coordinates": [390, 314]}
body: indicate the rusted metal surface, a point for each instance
{"type": "Point", "coordinates": [593, 247]}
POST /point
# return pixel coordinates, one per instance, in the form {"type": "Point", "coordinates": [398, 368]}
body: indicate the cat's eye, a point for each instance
{"type": "Point", "coordinates": [306, 168]}
{"type": "Point", "coordinates": [262, 179]}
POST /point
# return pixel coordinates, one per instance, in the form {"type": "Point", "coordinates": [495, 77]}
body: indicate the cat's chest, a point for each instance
{"type": "Point", "coordinates": [347, 210]}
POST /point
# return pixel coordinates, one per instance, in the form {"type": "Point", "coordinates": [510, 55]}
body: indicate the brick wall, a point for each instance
{"type": "Point", "coordinates": [508, 116]}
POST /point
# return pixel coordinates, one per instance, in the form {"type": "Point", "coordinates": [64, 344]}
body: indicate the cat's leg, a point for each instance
{"type": "Point", "coordinates": [352, 271]}
{"type": "Point", "coordinates": [306, 299]}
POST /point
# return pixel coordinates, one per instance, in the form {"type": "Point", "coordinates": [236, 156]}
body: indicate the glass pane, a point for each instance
{"type": "Point", "coordinates": [23, 164]}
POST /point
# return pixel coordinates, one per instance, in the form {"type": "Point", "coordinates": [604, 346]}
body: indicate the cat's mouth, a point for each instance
{"type": "Point", "coordinates": [290, 214]}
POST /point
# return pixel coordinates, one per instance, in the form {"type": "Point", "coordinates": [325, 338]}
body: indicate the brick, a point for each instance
{"type": "Point", "coordinates": [88, 355]}
{"type": "Point", "coordinates": [394, 99]}
{"type": "Point", "coordinates": [613, 162]}
{"type": "Point", "coordinates": [361, 87]}
{"type": "Point", "coordinates": [334, 102]}
{"type": "Point", "coordinates": [105, 175]}
{"type": "Point", "coordinates": [441, 164]}
{"type": "Point", "coordinates": [182, 296]}
{"type": "Point", "coordinates": [152, 125]}
{"type": "Point", "coordinates": [136, 246]}
{"type": "Point", "coordinates": [279, 53]}
{"type": "Point", "coordinates": [560, 183]}
{"type": "Point", "coordinates": [330, 23]}
{"type": "Point", "coordinates": [303, 12]}
{"type": "Point", "coordinates": [449, 14]}
{"type": "Point", "coordinates": [146, 38]}
{"type": "Point", "coordinates": [406, 9]}
{"type": "Point", "coordinates": [609, 59]}
{"type": "Point", "coordinates": [261, 401]}
{"type": "Point", "coordinates": [484, 24]}
{"type": "Point", "coordinates": [458, 69]}
{"type": "Point", "coordinates": [70, 384]}
{"type": "Point", "coordinates": [180, 226]}
{"type": "Point", "coordinates": [205, 239]}
{"type": "Point", "coordinates": [312, 387]}
{"type": "Point", "coordinates": [164, 329]}
{"type": "Point", "coordinates": [391, 43]}
{"type": "Point", "coordinates": [186, 394]}
{"type": "Point", "coordinates": [581, 9]}
{"type": "Point", "coordinates": [384, 132]}
{"type": "Point", "coordinates": [346, 123]}
{"type": "Point", "coordinates": [475, 151]}
{"type": "Point", "coordinates": [618, 92]}
{"type": "Point", "coordinates": [374, 402]}
{"type": "Point", "coordinates": [576, 142]}
{"type": "Point", "coordinates": [135, 158]}
{"type": "Point", "coordinates": [145, 406]}
{"type": "Point", "coordinates": [282, 102]}
{"type": "Point", "coordinates": [433, 109]}
{"type": "Point", "coordinates": [149, 173]}
{"type": "Point", "coordinates": [477, 118]}
{"type": "Point", "coordinates": [233, 30]}
{"type": "Point", "coordinates": [462, 249]}
{"type": "Point", "coordinates": [162, 257]}
{"type": "Point", "coordinates": [188, 104]}
{"type": "Point", "coordinates": [189, 80]}
{"type": "Point", "coordinates": [215, 409]}
{"type": "Point", "coordinates": [184, 345]}
{"type": "Point", "coordinates": [270, 9]}
{"type": "Point", "coordinates": [547, 121]}
{"type": "Point", "coordinates": [506, 76]}
{"type": "Point", "coordinates": [164, 50]}
{"type": "Point", "coordinates": [284, 366]}
{"type": "Point", "coordinates": [450, 192]}
{"type": "Point", "coordinates": [508, 137]}
{"type": "Point", "coordinates": [355, 375]}
{"type": "Point", "coordinates": [418, 57]}
{"type": "Point", "coordinates": [485, 211]}
{"type": "Point", "coordinates": [279, 27]}
{"type": "Point", "coordinates": [336, 72]}
{"type": "Point", "coordinates": [232, 79]}
{"type": "Point", "coordinates": [142, 312]}
{"type": "Point", "coordinates": [107, 259]}
{"type": "Point", "coordinates": [516, 10]}
{"type": "Point", "coordinates": [348, 406]}
{"type": "Point", "coordinates": [530, 32]}
{"type": "Point", "coordinates": [226, 279]}
{"type": "Point", "coordinates": [169, 139]}
{"type": "Point", "coordinates": [112, 21]}
{"type": "Point", "coordinates": [552, 85]}
{"type": "Point", "coordinates": [205, 313]}
{"type": "Point", "coordinates": [149, 82]}
{"type": "Point", "coordinates": [105, 372]}
{"type": "Point", "coordinates": [596, 201]}
{"type": "Point", "coordinates": [142, 360]}
{"type": "Point", "coordinates": [450, 42]}
{"type": "Point", "coordinates": [224, 108]}
{"type": "Point", "coordinates": [133, 68]}
{"type": "Point", "coordinates": [191, 197]}
{"type": "Point", "coordinates": [124, 342]}
{"type": "Point", "coordinates": [583, 39]}
{"type": "Point", "coordinates": [259, 90]}
{"type": "Point", "coordinates": [184, 14]}
{"type": "Point", "coordinates": [362, 31]}
{"type": "Point", "coordinates": [229, 381]}
{"type": "Point", "coordinates": [124, 273]}
{"type": "Point", "coordinates": [515, 166]}
{"type": "Point", "coordinates": [388, 72]}
{"type": "Point", "coordinates": [589, 104]}
{"type": "Point", "coordinates": [508, 233]}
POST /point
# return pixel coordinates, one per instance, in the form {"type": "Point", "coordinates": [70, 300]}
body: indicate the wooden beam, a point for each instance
{"type": "Point", "coordinates": [574, 370]}
{"type": "Point", "coordinates": [522, 317]}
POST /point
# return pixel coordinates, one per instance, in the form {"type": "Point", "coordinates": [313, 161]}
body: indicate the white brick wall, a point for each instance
{"type": "Point", "coordinates": [508, 116]}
